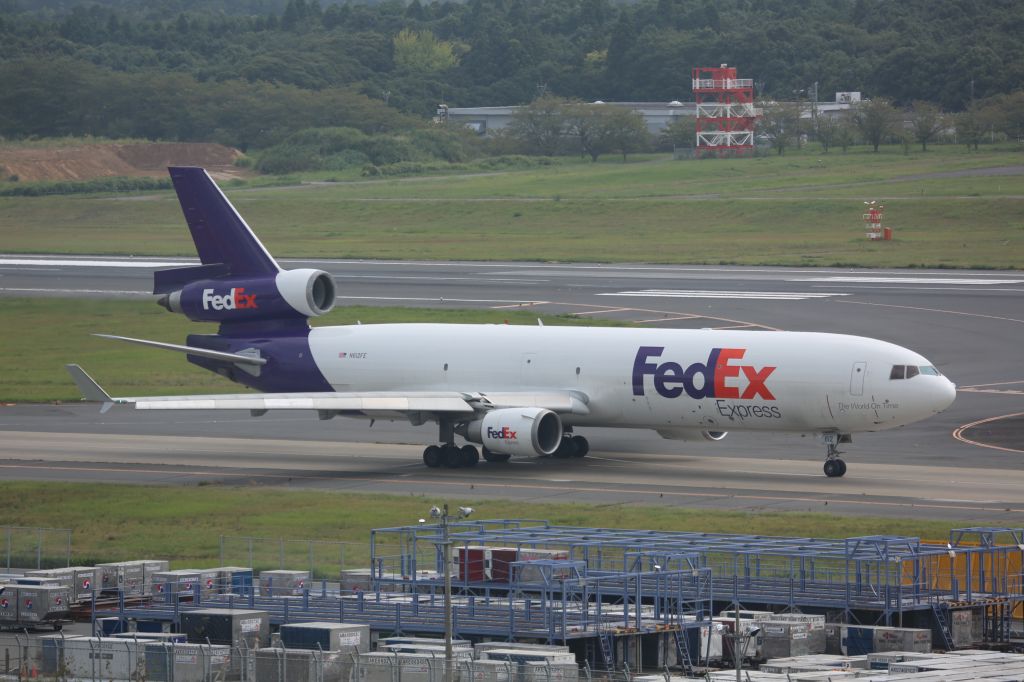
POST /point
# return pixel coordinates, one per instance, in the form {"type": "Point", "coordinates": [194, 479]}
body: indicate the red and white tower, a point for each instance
{"type": "Point", "coordinates": [725, 111]}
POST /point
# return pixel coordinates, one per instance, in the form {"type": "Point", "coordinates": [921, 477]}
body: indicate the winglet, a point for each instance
{"type": "Point", "coordinates": [89, 388]}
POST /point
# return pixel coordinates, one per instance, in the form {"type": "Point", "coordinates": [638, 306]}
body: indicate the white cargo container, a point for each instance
{"type": "Point", "coordinates": [172, 662]}
{"type": "Point", "coordinates": [544, 671]}
{"type": "Point", "coordinates": [103, 658]}
{"type": "Point", "coordinates": [283, 583]}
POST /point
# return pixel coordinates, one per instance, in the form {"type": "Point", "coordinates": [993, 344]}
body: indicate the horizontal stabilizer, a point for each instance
{"type": "Point", "coordinates": [192, 350]}
{"type": "Point", "coordinates": [166, 281]}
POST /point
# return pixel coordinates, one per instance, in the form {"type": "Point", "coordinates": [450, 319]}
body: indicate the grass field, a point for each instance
{"type": "Point", "coordinates": [112, 522]}
{"type": "Point", "coordinates": [799, 209]}
{"type": "Point", "coordinates": [43, 334]}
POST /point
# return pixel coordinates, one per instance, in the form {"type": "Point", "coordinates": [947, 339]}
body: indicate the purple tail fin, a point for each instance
{"type": "Point", "coordinates": [225, 244]}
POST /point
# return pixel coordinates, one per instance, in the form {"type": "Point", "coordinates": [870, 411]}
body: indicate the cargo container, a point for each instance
{"type": "Point", "coordinates": [128, 577]}
{"type": "Point", "coordinates": [490, 671]}
{"type": "Point", "coordinates": [283, 583]}
{"type": "Point", "coordinates": [81, 580]}
{"type": "Point", "coordinates": [781, 639]}
{"type": "Point", "coordinates": [391, 667]}
{"type": "Point", "coordinates": [232, 627]}
{"type": "Point", "coordinates": [544, 671]}
{"type": "Point", "coordinates": [102, 658]}
{"type": "Point", "coordinates": [8, 605]}
{"type": "Point", "coordinates": [234, 580]}
{"type": "Point", "coordinates": [481, 647]}
{"type": "Point", "coordinates": [865, 639]}
{"type": "Point", "coordinates": [34, 605]}
{"type": "Point", "coordinates": [529, 574]}
{"type": "Point", "coordinates": [815, 628]}
{"type": "Point", "coordinates": [425, 641]}
{"type": "Point", "coordinates": [347, 638]}
{"type": "Point", "coordinates": [170, 662]}
{"type": "Point", "coordinates": [178, 637]}
{"type": "Point", "coordinates": [463, 653]}
{"type": "Point", "coordinates": [528, 656]}
{"type": "Point", "coordinates": [180, 584]}
{"type": "Point", "coordinates": [301, 665]}
{"type": "Point", "coordinates": [110, 625]}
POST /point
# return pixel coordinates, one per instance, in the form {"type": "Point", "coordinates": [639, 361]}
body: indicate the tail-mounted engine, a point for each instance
{"type": "Point", "coordinates": [289, 294]}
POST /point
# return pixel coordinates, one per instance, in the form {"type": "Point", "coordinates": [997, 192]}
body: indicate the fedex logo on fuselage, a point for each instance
{"type": "Point", "coordinates": [504, 433]}
{"type": "Point", "coordinates": [719, 377]}
{"type": "Point", "coordinates": [235, 299]}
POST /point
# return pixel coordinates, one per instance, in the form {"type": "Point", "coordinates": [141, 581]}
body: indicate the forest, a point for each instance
{"type": "Point", "coordinates": [251, 73]}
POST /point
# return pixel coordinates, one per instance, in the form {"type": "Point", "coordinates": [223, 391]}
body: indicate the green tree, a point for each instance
{"type": "Point", "coordinates": [926, 122]}
{"type": "Point", "coordinates": [420, 52]}
{"type": "Point", "coordinates": [969, 129]}
{"type": "Point", "coordinates": [875, 119]}
{"type": "Point", "coordinates": [540, 125]}
{"type": "Point", "coordinates": [681, 132]}
{"type": "Point", "coordinates": [826, 130]}
{"type": "Point", "coordinates": [845, 134]}
{"type": "Point", "coordinates": [780, 122]}
{"type": "Point", "coordinates": [626, 131]}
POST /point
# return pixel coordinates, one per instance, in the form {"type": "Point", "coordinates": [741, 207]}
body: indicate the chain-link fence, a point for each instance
{"type": "Point", "coordinates": [35, 547]}
{"type": "Point", "coordinates": [55, 657]}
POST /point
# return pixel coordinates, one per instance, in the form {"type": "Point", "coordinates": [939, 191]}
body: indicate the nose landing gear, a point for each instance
{"type": "Point", "coordinates": [834, 467]}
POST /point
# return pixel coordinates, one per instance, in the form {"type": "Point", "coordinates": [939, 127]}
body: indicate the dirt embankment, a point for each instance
{"type": "Point", "coordinates": [109, 160]}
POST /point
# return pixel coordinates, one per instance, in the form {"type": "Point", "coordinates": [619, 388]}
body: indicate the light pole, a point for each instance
{"type": "Point", "coordinates": [441, 514]}
{"type": "Point", "coordinates": [739, 641]}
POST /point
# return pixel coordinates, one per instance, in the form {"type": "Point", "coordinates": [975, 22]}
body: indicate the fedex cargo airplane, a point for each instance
{"type": "Point", "coordinates": [513, 390]}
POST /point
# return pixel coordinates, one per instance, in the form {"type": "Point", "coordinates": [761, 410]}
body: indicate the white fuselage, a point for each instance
{"type": "Point", "coordinates": [669, 380]}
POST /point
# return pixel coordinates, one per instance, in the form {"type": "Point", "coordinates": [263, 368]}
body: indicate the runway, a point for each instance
{"type": "Point", "coordinates": [968, 323]}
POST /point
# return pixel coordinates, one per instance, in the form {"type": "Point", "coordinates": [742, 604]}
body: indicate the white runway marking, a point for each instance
{"type": "Point", "coordinates": [745, 295]}
{"type": "Point", "coordinates": [75, 291]}
{"type": "Point", "coordinates": [909, 280]}
{"type": "Point", "coordinates": [444, 279]}
{"type": "Point", "coordinates": [92, 263]}
{"type": "Point", "coordinates": [435, 299]}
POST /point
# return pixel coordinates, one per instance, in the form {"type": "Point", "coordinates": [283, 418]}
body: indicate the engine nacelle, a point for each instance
{"type": "Point", "coordinates": [290, 294]}
{"type": "Point", "coordinates": [517, 431]}
{"type": "Point", "coordinates": [692, 434]}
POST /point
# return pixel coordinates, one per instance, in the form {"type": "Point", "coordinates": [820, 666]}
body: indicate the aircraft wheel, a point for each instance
{"type": "Point", "coordinates": [834, 468]}
{"type": "Point", "coordinates": [567, 448]}
{"type": "Point", "coordinates": [582, 446]}
{"type": "Point", "coordinates": [451, 455]}
{"type": "Point", "coordinates": [495, 457]}
{"type": "Point", "coordinates": [469, 456]}
{"type": "Point", "coordinates": [432, 456]}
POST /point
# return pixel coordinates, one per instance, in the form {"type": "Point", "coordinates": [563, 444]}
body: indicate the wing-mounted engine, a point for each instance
{"type": "Point", "coordinates": [526, 431]}
{"type": "Point", "coordinates": [289, 294]}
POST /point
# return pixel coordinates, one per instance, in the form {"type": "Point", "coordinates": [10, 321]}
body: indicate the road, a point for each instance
{"type": "Point", "coordinates": [968, 323]}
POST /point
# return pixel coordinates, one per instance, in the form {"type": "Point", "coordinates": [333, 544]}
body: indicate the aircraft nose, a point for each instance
{"type": "Point", "coordinates": [945, 394]}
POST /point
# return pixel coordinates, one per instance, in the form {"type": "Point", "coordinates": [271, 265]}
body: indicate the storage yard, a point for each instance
{"type": "Point", "coordinates": [533, 602]}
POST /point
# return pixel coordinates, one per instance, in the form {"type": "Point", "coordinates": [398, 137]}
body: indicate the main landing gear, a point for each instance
{"type": "Point", "coordinates": [834, 467]}
{"type": "Point", "coordinates": [448, 454]}
{"type": "Point", "coordinates": [572, 446]}
{"type": "Point", "coordinates": [451, 456]}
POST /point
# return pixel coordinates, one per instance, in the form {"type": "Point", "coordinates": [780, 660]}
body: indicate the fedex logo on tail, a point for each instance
{"type": "Point", "coordinates": [235, 299]}
{"type": "Point", "coordinates": [504, 433]}
{"type": "Point", "coordinates": [719, 377]}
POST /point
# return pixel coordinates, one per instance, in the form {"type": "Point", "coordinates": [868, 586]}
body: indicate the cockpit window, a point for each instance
{"type": "Point", "coordinates": [911, 371]}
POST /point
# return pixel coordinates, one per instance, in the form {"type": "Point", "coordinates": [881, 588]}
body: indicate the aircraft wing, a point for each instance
{"type": "Point", "coordinates": [369, 403]}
